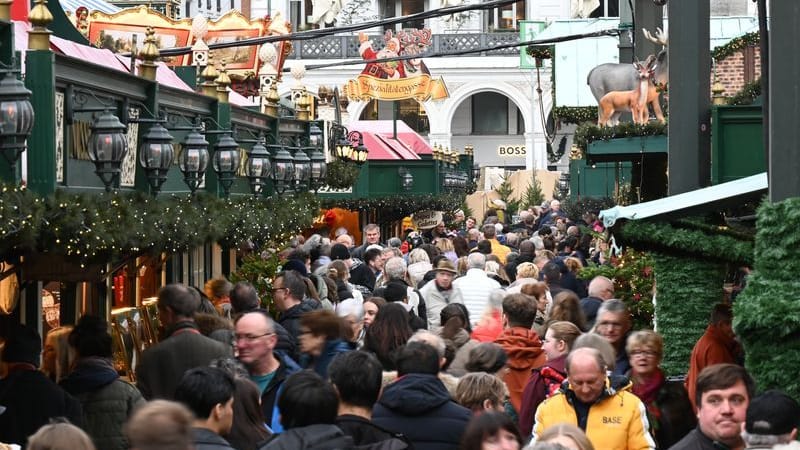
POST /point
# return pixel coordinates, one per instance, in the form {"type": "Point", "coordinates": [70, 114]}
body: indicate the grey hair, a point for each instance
{"type": "Point", "coordinates": [614, 306]}
{"type": "Point", "coordinates": [395, 268]}
{"type": "Point", "coordinates": [586, 351]}
{"type": "Point", "coordinates": [598, 285]}
{"type": "Point", "coordinates": [538, 243]}
{"type": "Point", "coordinates": [601, 345]}
{"type": "Point", "coordinates": [431, 339]}
{"type": "Point", "coordinates": [476, 260]}
{"type": "Point", "coordinates": [418, 255]}
{"type": "Point", "coordinates": [496, 298]}
{"type": "Point", "coordinates": [765, 440]}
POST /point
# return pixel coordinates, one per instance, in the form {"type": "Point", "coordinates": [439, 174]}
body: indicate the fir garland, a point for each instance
{"type": "Point", "coordinates": [104, 226]}
{"type": "Point", "coordinates": [680, 241]}
{"type": "Point", "coordinates": [748, 94]}
{"type": "Point", "coordinates": [766, 313]}
{"type": "Point", "coordinates": [586, 133]}
{"type": "Point", "coordinates": [342, 174]}
{"type": "Point", "coordinates": [735, 45]}
{"type": "Point", "coordinates": [687, 289]}
{"type": "Point", "coordinates": [575, 114]}
{"type": "Point", "coordinates": [575, 208]}
{"type": "Point", "coordinates": [395, 207]}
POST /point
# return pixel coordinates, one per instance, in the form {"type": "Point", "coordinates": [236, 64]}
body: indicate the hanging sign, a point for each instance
{"type": "Point", "coordinates": [396, 80]}
{"type": "Point", "coordinates": [427, 219]}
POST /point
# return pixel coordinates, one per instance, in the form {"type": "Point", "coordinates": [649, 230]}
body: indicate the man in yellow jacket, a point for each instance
{"type": "Point", "coordinates": [613, 420]}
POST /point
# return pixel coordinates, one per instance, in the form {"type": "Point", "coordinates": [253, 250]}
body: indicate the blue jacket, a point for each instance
{"type": "Point", "coordinates": [320, 364]}
{"type": "Point", "coordinates": [419, 407]}
{"type": "Point", "coordinates": [269, 398]}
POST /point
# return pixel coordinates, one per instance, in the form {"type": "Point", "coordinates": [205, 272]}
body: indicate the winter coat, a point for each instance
{"type": "Point", "coordinates": [363, 275]}
{"type": "Point", "coordinates": [163, 365]}
{"type": "Point", "coordinates": [290, 319]}
{"type": "Point", "coordinates": [589, 306]}
{"type": "Point", "coordinates": [696, 440]}
{"type": "Point", "coordinates": [524, 350]}
{"type": "Point", "coordinates": [670, 413]}
{"type": "Point", "coordinates": [489, 328]}
{"type": "Point", "coordinates": [419, 407]}
{"type": "Point", "coordinates": [436, 300]}
{"type": "Point", "coordinates": [31, 400]}
{"type": "Point", "coordinates": [463, 346]}
{"type": "Point", "coordinates": [107, 401]}
{"type": "Point", "coordinates": [269, 398]}
{"type": "Point", "coordinates": [615, 421]}
{"type": "Point", "coordinates": [366, 434]}
{"type": "Point", "coordinates": [312, 437]}
{"type": "Point", "coordinates": [320, 363]}
{"type": "Point", "coordinates": [543, 382]}
{"type": "Point", "coordinates": [475, 288]}
{"type": "Point", "coordinates": [205, 439]}
{"type": "Point", "coordinates": [714, 347]}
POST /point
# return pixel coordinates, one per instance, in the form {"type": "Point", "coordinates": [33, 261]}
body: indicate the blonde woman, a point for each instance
{"type": "Point", "coordinates": [526, 273]}
{"type": "Point", "coordinates": [419, 263]}
{"type": "Point", "coordinates": [480, 391]}
{"type": "Point", "coordinates": [60, 436]}
{"type": "Point", "coordinates": [445, 246]}
{"type": "Point", "coordinates": [57, 357]}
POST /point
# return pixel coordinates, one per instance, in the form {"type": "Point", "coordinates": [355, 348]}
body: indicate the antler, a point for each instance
{"type": "Point", "coordinates": [659, 38]}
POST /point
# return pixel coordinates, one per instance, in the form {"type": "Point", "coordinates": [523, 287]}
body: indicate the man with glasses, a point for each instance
{"type": "Point", "coordinates": [289, 297]}
{"type": "Point", "coordinates": [255, 348]}
{"type": "Point", "coordinates": [614, 323]}
{"type": "Point", "coordinates": [610, 418]}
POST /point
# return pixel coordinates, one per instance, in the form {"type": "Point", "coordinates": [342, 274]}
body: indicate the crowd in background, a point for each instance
{"type": "Point", "coordinates": [456, 337]}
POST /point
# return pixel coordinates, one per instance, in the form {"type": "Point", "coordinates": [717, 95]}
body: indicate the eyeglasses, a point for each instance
{"type": "Point", "coordinates": [250, 337]}
{"type": "Point", "coordinates": [610, 325]}
{"type": "Point", "coordinates": [276, 289]}
{"type": "Point", "coordinates": [644, 353]}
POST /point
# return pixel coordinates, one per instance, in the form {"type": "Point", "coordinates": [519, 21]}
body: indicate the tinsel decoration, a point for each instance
{"type": "Point", "coordinates": [393, 208]}
{"type": "Point", "coordinates": [748, 94]}
{"type": "Point", "coordinates": [575, 114]}
{"type": "Point", "coordinates": [687, 289]}
{"type": "Point", "coordinates": [342, 174]}
{"type": "Point", "coordinates": [105, 226]}
{"type": "Point", "coordinates": [766, 315]}
{"type": "Point", "coordinates": [735, 45]}
{"type": "Point", "coordinates": [713, 244]}
{"type": "Point", "coordinates": [587, 133]}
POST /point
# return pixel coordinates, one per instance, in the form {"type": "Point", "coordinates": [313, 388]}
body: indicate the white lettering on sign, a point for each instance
{"type": "Point", "coordinates": [511, 151]}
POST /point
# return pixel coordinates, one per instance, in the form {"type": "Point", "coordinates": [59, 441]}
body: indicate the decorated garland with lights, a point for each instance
{"type": "Point", "coordinates": [342, 174]}
{"type": "Point", "coordinates": [107, 225]}
{"type": "Point", "coordinates": [735, 45]}
{"type": "Point", "coordinates": [395, 207]}
{"type": "Point", "coordinates": [748, 94]}
{"type": "Point", "coordinates": [575, 114]}
{"type": "Point", "coordinates": [589, 132]}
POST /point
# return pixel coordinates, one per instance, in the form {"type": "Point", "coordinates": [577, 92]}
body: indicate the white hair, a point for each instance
{"type": "Point", "coordinates": [350, 307]}
{"type": "Point", "coordinates": [431, 339]}
{"type": "Point", "coordinates": [476, 260]}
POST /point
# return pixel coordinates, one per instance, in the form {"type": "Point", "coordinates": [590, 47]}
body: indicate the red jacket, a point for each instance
{"type": "Point", "coordinates": [524, 350]}
{"type": "Point", "coordinates": [714, 347]}
{"type": "Point", "coordinates": [543, 382]}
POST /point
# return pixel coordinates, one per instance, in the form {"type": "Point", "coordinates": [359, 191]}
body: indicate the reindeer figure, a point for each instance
{"type": "Point", "coordinates": [634, 100]}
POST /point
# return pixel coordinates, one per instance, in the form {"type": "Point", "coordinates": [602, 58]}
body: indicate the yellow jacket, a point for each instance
{"type": "Point", "coordinates": [617, 421]}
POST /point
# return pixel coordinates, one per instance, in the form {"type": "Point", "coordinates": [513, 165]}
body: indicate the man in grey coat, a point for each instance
{"type": "Point", "coordinates": [163, 365]}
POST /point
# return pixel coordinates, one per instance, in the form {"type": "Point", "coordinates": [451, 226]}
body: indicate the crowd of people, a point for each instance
{"type": "Point", "coordinates": [456, 337]}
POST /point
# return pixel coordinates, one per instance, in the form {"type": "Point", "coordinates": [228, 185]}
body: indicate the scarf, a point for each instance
{"type": "Point", "coordinates": [647, 390]}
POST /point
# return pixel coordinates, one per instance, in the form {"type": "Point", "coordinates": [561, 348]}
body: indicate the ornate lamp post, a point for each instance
{"type": "Point", "coordinates": [360, 151]}
{"type": "Point", "coordinates": [107, 146]}
{"type": "Point", "coordinates": [226, 162]}
{"type": "Point", "coordinates": [302, 170]}
{"type": "Point", "coordinates": [194, 159]}
{"type": "Point", "coordinates": [156, 154]}
{"type": "Point", "coordinates": [319, 167]}
{"type": "Point", "coordinates": [282, 170]}
{"type": "Point", "coordinates": [258, 167]}
{"type": "Point", "coordinates": [16, 118]}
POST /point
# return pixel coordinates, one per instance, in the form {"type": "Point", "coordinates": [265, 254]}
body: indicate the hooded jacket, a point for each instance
{"type": "Point", "coordinates": [312, 437]}
{"type": "Point", "coordinates": [616, 420]}
{"type": "Point", "coordinates": [524, 350]}
{"type": "Point", "coordinates": [543, 382]}
{"type": "Point", "coordinates": [419, 407]}
{"type": "Point", "coordinates": [107, 401]}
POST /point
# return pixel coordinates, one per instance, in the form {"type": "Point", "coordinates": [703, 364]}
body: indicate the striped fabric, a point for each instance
{"type": "Point", "coordinates": [92, 5]}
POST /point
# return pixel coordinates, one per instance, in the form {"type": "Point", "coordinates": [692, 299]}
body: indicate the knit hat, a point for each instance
{"type": "Point", "coordinates": [297, 266]}
{"type": "Point", "coordinates": [772, 413]}
{"type": "Point", "coordinates": [24, 345]}
{"type": "Point", "coordinates": [339, 251]}
{"type": "Point", "coordinates": [395, 291]}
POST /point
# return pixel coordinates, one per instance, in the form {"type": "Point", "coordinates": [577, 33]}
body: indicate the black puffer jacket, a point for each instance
{"type": "Point", "coordinates": [312, 437]}
{"type": "Point", "coordinates": [107, 401]}
{"type": "Point", "coordinates": [419, 407]}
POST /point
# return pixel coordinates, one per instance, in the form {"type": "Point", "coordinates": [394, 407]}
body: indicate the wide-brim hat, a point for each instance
{"type": "Point", "coordinates": [445, 265]}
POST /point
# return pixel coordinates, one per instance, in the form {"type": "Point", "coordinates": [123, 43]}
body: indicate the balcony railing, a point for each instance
{"type": "Point", "coordinates": [346, 47]}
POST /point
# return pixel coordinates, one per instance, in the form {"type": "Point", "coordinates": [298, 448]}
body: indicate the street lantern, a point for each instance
{"type": "Point", "coordinates": [319, 170]}
{"type": "Point", "coordinates": [258, 167]}
{"type": "Point", "coordinates": [107, 147]}
{"type": "Point", "coordinates": [226, 161]}
{"type": "Point", "coordinates": [16, 118]}
{"type": "Point", "coordinates": [315, 136]}
{"type": "Point", "coordinates": [563, 184]}
{"type": "Point", "coordinates": [360, 151]}
{"type": "Point", "coordinates": [302, 170]}
{"type": "Point", "coordinates": [156, 154]}
{"type": "Point", "coordinates": [282, 170]}
{"type": "Point", "coordinates": [194, 159]}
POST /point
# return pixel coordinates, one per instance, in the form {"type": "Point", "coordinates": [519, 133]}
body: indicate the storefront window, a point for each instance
{"type": "Point", "coordinates": [489, 113]}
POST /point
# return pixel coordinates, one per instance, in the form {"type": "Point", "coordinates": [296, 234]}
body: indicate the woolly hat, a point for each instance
{"type": "Point", "coordinates": [297, 266]}
{"type": "Point", "coordinates": [24, 345]}
{"type": "Point", "coordinates": [339, 251]}
{"type": "Point", "coordinates": [772, 413]}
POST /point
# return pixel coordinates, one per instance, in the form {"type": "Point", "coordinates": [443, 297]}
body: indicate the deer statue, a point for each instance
{"type": "Point", "coordinates": [623, 77]}
{"type": "Point", "coordinates": [634, 100]}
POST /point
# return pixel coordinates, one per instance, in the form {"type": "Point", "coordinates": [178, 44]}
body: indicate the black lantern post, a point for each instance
{"type": "Point", "coordinates": [156, 154]}
{"type": "Point", "coordinates": [258, 167]}
{"type": "Point", "coordinates": [226, 162]}
{"type": "Point", "coordinates": [302, 170]}
{"type": "Point", "coordinates": [406, 179]}
{"type": "Point", "coordinates": [107, 147]}
{"type": "Point", "coordinates": [16, 118]}
{"type": "Point", "coordinates": [194, 159]}
{"type": "Point", "coordinates": [563, 184]}
{"type": "Point", "coordinates": [282, 170]}
{"type": "Point", "coordinates": [360, 151]}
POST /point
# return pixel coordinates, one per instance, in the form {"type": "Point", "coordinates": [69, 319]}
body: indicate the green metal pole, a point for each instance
{"type": "Point", "coordinates": [41, 152]}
